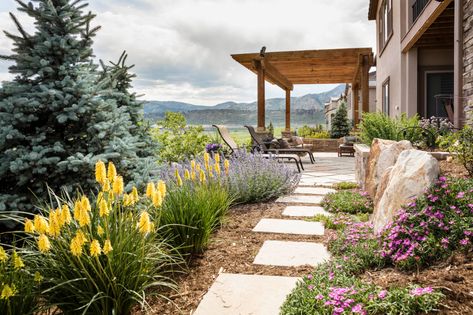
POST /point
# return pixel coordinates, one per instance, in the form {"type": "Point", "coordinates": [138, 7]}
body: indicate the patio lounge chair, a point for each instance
{"type": "Point", "coordinates": [263, 146]}
{"type": "Point", "coordinates": [223, 131]}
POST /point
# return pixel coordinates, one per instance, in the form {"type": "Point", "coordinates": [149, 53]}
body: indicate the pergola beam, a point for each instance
{"type": "Point", "coordinates": [274, 75]}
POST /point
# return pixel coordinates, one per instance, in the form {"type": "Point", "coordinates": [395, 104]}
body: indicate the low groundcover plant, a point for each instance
{"type": "Point", "coordinates": [346, 201]}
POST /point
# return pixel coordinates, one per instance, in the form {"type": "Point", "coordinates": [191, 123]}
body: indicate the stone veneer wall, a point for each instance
{"type": "Point", "coordinates": [323, 145]}
{"type": "Point", "coordinates": [362, 153]}
{"type": "Point", "coordinates": [468, 57]}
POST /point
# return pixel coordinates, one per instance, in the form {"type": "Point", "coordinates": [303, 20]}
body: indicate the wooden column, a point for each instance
{"type": "Point", "coordinates": [288, 110]}
{"type": "Point", "coordinates": [356, 118]}
{"type": "Point", "coordinates": [365, 88]}
{"type": "Point", "coordinates": [458, 100]}
{"type": "Point", "coordinates": [261, 99]}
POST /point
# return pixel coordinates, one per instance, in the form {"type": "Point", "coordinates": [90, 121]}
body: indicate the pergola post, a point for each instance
{"type": "Point", "coordinates": [365, 89]}
{"type": "Point", "coordinates": [261, 99]}
{"type": "Point", "coordinates": [356, 118]}
{"type": "Point", "coordinates": [288, 110]}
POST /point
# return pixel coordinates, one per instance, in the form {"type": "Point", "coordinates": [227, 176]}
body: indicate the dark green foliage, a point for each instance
{"type": "Point", "coordinates": [345, 185]}
{"type": "Point", "coordinates": [340, 123]}
{"type": "Point", "coordinates": [381, 126]}
{"type": "Point", "coordinates": [177, 141]}
{"type": "Point", "coordinates": [56, 117]}
{"type": "Point", "coordinates": [348, 202]}
{"type": "Point", "coordinates": [464, 148]}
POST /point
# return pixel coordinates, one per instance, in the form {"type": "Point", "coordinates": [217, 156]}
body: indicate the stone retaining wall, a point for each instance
{"type": "Point", "coordinates": [323, 145]}
{"type": "Point", "coordinates": [362, 153]}
{"type": "Point", "coordinates": [468, 56]}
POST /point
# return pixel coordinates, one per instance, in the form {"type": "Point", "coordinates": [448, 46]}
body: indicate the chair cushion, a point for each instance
{"type": "Point", "coordinates": [349, 139]}
{"type": "Point", "coordinates": [283, 144]}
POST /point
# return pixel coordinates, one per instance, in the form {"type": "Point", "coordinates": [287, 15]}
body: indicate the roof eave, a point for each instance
{"type": "Point", "coordinates": [372, 10]}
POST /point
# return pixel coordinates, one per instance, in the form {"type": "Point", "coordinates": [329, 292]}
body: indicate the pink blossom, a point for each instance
{"type": "Point", "coordinates": [382, 294]}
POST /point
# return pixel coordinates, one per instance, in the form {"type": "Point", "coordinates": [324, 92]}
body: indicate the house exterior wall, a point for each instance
{"type": "Point", "coordinates": [468, 57]}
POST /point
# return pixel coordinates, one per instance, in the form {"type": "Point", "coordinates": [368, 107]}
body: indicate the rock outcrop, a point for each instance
{"type": "Point", "coordinates": [383, 155]}
{"type": "Point", "coordinates": [412, 173]}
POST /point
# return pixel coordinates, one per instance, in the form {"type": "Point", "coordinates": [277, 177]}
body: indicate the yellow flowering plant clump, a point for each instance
{"type": "Point", "coordinates": [101, 246]}
{"type": "Point", "coordinates": [19, 290]}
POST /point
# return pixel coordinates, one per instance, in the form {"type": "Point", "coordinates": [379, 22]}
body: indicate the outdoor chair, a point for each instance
{"type": "Point", "coordinates": [266, 146]}
{"type": "Point", "coordinates": [225, 134]}
{"type": "Point", "coordinates": [347, 146]}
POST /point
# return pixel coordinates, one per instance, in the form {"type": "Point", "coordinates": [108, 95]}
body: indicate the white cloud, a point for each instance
{"type": "Point", "coordinates": [182, 48]}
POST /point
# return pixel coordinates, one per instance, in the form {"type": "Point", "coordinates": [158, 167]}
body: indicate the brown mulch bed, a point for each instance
{"type": "Point", "coordinates": [453, 278]}
{"type": "Point", "coordinates": [453, 168]}
{"type": "Point", "coordinates": [232, 250]}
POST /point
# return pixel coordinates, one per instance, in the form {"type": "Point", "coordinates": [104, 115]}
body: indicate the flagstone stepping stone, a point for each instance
{"type": "Point", "coordinates": [291, 254]}
{"type": "Point", "coordinates": [289, 227]}
{"type": "Point", "coordinates": [233, 294]}
{"type": "Point", "coordinates": [313, 190]}
{"type": "Point", "coordinates": [301, 199]}
{"type": "Point", "coordinates": [304, 211]}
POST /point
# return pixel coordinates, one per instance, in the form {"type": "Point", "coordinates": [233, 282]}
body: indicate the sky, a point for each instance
{"type": "Point", "coordinates": [181, 48]}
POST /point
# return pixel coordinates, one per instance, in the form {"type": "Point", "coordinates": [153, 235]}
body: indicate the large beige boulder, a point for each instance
{"type": "Point", "coordinates": [413, 172]}
{"type": "Point", "coordinates": [383, 154]}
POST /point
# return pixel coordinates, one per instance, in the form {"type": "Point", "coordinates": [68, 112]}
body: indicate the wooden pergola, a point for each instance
{"type": "Point", "coordinates": [328, 66]}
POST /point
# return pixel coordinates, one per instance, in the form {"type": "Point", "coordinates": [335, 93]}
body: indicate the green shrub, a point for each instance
{"type": "Point", "coordinates": [464, 148]}
{"type": "Point", "coordinates": [319, 135]}
{"type": "Point", "coordinates": [178, 142]}
{"type": "Point", "coordinates": [105, 256]}
{"type": "Point", "coordinates": [19, 287]}
{"type": "Point", "coordinates": [331, 289]}
{"type": "Point", "coordinates": [380, 125]}
{"type": "Point", "coordinates": [347, 202]}
{"type": "Point", "coordinates": [345, 185]}
{"type": "Point", "coordinates": [431, 227]}
{"type": "Point", "coordinates": [308, 132]}
{"type": "Point", "coordinates": [191, 212]}
{"type": "Point", "coordinates": [340, 124]}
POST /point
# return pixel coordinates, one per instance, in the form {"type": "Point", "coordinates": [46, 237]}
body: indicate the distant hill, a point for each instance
{"type": "Point", "coordinates": [307, 109]}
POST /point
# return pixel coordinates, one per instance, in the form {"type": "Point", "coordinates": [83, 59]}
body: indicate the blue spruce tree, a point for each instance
{"type": "Point", "coordinates": [57, 117]}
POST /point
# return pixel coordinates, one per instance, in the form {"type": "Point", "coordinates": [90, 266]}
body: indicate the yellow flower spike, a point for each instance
{"type": "Point", "coordinates": [43, 243]}
{"type": "Point", "coordinates": [107, 247]}
{"type": "Point", "coordinates": [95, 249]}
{"type": "Point", "coordinates": [162, 188]}
{"type": "Point", "coordinates": [127, 200]}
{"type": "Point", "coordinates": [81, 237]}
{"type": "Point", "coordinates": [111, 171]}
{"type": "Point", "coordinates": [179, 180]}
{"type": "Point", "coordinates": [202, 176]}
{"type": "Point", "coordinates": [85, 203]}
{"type": "Point", "coordinates": [226, 165]}
{"type": "Point", "coordinates": [207, 165]}
{"type": "Point", "coordinates": [17, 261]}
{"type": "Point", "coordinates": [66, 214]}
{"type": "Point", "coordinates": [193, 175]}
{"type": "Point", "coordinates": [76, 246]}
{"type": "Point", "coordinates": [187, 175]}
{"type": "Point", "coordinates": [217, 158]}
{"type": "Point", "coordinates": [206, 157]}
{"type": "Point", "coordinates": [40, 224]}
{"type": "Point", "coordinates": [217, 168]}
{"type": "Point", "coordinates": [100, 230]}
{"type": "Point", "coordinates": [84, 218]}
{"type": "Point", "coordinates": [211, 174]}
{"type": "Point", "coordinates": [144, 224]}
{"type": "Point", "coordinates": [38, 277]}
{"type": "Point", "coordinates": [29, 226]}
{"type": "Point", "coordinates": [103, 208]}
{"type": "Point", "coordinates": [134, 194]}
{"type": "Point", "coordinates": [55, 223]}
{"type": "Point", "coordinates": [198, 167]}
{"type": "Point", "coordinates": [193, 165]}
{"type": "Point", "coordinates": [150, 188]}
{"type": "Point", "coordinates": [8, 292]}
{"type": "Point", "coordinates": [3, 255]}
{"type": "Point", "coordinates": [106, 186]}
{"type": "Point", "coordinates": [157, 198]}
{"type": "Point", "coordinates": [100, 172]}
{"type": "Point", "coordinates": [118, 185]}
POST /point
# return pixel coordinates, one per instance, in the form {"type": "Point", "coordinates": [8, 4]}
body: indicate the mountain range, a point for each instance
{"type": "Point", "coordinates": [309, 107]}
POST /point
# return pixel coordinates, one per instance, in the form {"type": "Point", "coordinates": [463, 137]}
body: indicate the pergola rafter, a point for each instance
{"type": "Point", "coordinates": [328, 66]}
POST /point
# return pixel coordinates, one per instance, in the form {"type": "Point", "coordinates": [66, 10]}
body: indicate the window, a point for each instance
{"type": "Point", "coordinates": [385, 96]}
{"type": "Point", "coordinates": [385, 26]}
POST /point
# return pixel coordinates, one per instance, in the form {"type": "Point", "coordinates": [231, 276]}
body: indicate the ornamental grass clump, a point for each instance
{"type": "Point", "coordinates": [196, 203]}
{"type": "Point", "coordinates": [348, 202]}
{"type": "Point", "coordinates": [100, 256]}
{"type": "Point", "coordinates": [19, 286]}
{"type": "Point", "coordinates": [433, 226]}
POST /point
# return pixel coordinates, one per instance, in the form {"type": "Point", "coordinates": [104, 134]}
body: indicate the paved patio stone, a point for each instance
{"type": "Point", "coordinates": [289, 227]}
{"type": "Point", "coordinates": [291, 254]}
{"type": "Point", "coordinates": [303, 211]}
{"type": "Point", "coordinates": [301, 199]}
{"type": "Point", "coordinates": [313, 190]}
{"type": "Point", "coordinates": [233, 294]}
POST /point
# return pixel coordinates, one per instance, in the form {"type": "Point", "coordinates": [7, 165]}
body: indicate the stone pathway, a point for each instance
{"type": "Point", "coordinates": [238, 294]}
